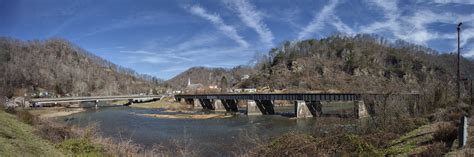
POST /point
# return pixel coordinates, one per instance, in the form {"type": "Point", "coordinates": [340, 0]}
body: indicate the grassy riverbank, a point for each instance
{"type": "Point", "coordinates": [18, 139]}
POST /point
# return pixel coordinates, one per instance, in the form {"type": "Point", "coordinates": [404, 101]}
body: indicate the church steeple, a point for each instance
{"type": "Point", "coordinates": [189, 81]}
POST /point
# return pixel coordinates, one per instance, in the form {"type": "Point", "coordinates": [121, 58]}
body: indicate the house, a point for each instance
{"type": "Point", "coordinates": [213, 86]}
{"type": "Point", "coordinates": [250, 90]}
{"type": "Point", "coordinates": [245, 77]}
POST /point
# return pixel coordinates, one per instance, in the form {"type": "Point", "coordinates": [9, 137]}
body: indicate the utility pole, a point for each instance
{"type": "Point", "coordinates": [458, 83]}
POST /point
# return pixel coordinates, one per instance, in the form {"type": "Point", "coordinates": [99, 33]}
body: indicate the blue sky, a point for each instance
{"type": "Point", "coordinates": [163, 37]}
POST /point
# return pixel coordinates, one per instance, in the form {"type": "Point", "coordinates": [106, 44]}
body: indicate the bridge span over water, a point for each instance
{"type": "Point", "coordinates": [96, 99]}
{"type": "Point", "coordinates": [305, 104]}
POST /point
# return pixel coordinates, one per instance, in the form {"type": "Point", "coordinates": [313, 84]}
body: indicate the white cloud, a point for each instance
{"type": "Point", "coordinates": [454, 1]}
{"type": "Point", "coordinates": [318, 21]}
{"type": "Point", "coordinates": [216, 20]}
{"type": "Point", "coordinates": [341, 26]}
{"type": "Point", "coordinates": [253, 19]}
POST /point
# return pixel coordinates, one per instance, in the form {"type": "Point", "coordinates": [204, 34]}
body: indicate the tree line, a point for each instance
{"type": "Point", "coordinates": [61, 68]}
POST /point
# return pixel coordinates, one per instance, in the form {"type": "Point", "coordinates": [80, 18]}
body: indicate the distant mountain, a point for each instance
{"type": "Point", "coordinates": [59, 67]}
{"type": "Point", "coordinates": [209, 76]}
{"type": "Point", "coordinates": [362, 63]}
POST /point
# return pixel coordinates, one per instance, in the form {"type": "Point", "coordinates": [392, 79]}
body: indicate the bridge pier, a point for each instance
{"type": "Point", "coordinates": [265, 106]}
{"type": "Point", "coordinates": [130, 102]}
{"type": "Point", "coordinates": [206, 104]}
{"type": "Point", "coordinates": [188, 101]}
{"type": "Point", "coordinates": [230, 105]}
{"type": "Point", "coordinates": [96, 104]}
{"type": "Point", "coordinates": [304, 109]}
{"type": "Point", "coordinates": [252, 108]}
{"type": "Point", "coordinates": [218, 104]}
{"type": "Point", "coordinates": [360, 110]}
{"type": "Point", "coordinates": [260, 107]}
{"type": "Point", "coordinates": [197, 104]}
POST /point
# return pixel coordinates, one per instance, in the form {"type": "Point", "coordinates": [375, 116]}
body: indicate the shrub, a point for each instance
{"type": "Point", "coordinates": [446, 133]}
{"type": "Point", "coordinates": [26, 117]}
{"type": "Point", "coordinates": [54, 132]}
{"type": "Point", "coordinates": [10, 110]}
{"type": "Point", "coordinates": [79, 146]}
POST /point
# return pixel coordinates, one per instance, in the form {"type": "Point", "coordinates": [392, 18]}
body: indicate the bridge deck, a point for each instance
{"type": "Point", "coordinates": [92, 98]}
{"type": "Point", "coordinates": [277, 96]}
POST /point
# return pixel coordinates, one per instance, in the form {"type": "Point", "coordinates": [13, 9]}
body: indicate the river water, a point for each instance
{"type": "Point", "coordinates": [206, 137]}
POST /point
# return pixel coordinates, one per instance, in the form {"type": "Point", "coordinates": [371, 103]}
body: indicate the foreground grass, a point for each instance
{"type": "Point", "coordinates": [17, 139]}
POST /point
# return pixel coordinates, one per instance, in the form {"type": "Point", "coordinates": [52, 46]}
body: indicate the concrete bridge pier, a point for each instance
{"type": "Point", "coordinates": [218, 105]}
{"type": "Point", "coordinates": [360, 110]}
{"type": "Point", "coordinates": [197, 104]}
{"type": "Point", "coordinates": [260, 107]}
{"type": "Point", "coordinates": [265, 106]}
{"type": "Point", "coordinates": [96, 104]}
{"type": "Point", "coordinates": [252, 108]}
{"type": "Point", "coordinates": [206, 104]}
{"type": "Point", "coordinates": [230, 105]}
{"type": "Point", "coordinates": [130, 102]}
{"type": "Point", "coordinates": [189, 101]}
{"type": "Point", "coordinates": [305, 109]}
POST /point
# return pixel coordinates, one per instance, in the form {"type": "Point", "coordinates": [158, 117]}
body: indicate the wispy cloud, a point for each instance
{"type": "Point", "coordinates": [191, 50]}
{"type": "Point", "coordinates": [454, 1]}
{"type": "Point", "coordinates": [217, 21]}
{"type": "Point", "coordinates": [318, 21]}
{"type": "Point", "coordinates": [341, 26]}
{"type": "Point", "coordinates": [253, 19]}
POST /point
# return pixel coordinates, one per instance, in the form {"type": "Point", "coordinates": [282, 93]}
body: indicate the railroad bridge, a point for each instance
{"type": "Point", "coordinates": [305, 104]}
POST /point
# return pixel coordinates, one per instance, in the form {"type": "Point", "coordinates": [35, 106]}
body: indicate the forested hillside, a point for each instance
{"type": "Point", "coordinates": [363, 63]}
{"type": "Point", "coordinates": [207, 76]}
{"type": "Point", "coordinates": [61, 68]}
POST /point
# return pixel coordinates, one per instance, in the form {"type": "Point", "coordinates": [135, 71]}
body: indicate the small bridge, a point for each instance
{"type": "Point", "coordinates": [96, 99]}
{"type": "Point", "coordinates": [305, 104]}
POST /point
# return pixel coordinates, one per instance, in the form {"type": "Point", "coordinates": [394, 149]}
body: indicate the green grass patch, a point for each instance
{"type": "Point", "coordinates": [407, 143]}
{"type": "Point", "coordinates": [81, 147]}
{"type": "Point", "coordinates": [17, 139]}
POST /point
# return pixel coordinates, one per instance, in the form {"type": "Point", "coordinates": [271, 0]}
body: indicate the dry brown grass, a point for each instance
{"type": "Point", "coordinates": [446, 133]}
{"type": "Point", "coordinates": [434, 149]}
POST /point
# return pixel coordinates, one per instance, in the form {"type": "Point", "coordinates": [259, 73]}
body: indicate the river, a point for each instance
{"type": "Point", "coordinates": [206, 137]}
